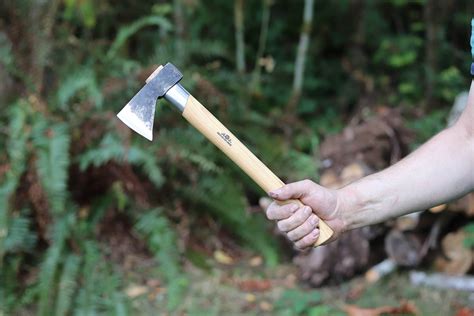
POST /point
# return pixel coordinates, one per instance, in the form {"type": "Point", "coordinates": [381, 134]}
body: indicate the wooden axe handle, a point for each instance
{"type": "Point", "coordinates": [219, 135]}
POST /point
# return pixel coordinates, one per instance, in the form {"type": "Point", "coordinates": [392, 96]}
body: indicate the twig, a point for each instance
{"type": "Point", "coordinates": [380, 270]}
{"type": "Point", "coordinates": [239, 36]}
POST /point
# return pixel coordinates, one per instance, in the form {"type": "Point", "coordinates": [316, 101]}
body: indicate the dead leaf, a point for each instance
{"type": "Point", "coordinates": [356, 291]}
{"type": "Point", "coordinates": [465, 311]}
{"type": "Point", "coordinates": [136, 290]}
{"type": "Point", "coordinates": [153, 282]}
{"type": "Point", "coordinates": [256, 261]}
{"type": "Point", "coordinates": [223, 258]}
{"type": "Point", "coordinates": [266, 306]}
{"type": "Point", "coordinates": [250, 297]}
{"type": "Point", "coordinates": [254, 285]}
{"type": "Point", "coordinates": [406, 308]}
{"type": "Point", "coordinates": [457, 259]}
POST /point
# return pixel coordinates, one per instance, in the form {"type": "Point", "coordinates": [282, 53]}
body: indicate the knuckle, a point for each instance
{"type": "Point", "coordinates": [307, 182]}
{"type": "Point", "coordinates": [291, 235]}
{"type": "Point", "coordinates": [298, 245]}
{"type": "Point", "coordinates": [309, 226]}
{"type": "Point", "coordinates": [303, 215]}
{"type": "Point", "coordinates": [270, 212]}
{"type": "Point", "coordinates": [302, 244]}
{"type": "Point", "coordinates": [286, 209]}
{"type": "Point", "coordinates": [282, 225]}
{"type": "Point", "coordinates": [309, 240]}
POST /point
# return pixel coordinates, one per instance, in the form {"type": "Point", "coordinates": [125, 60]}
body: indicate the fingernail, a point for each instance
{"type": "Point", "coordinates": [314, 220]}
{"type": "Point", "coordinates": [315, 233]}
{"type": "Point", "coordinates": [273, 194]}
{"type": "Point", "coordinates": [293, 208]}
{"type": "Point", "coordinates": [307, 210]}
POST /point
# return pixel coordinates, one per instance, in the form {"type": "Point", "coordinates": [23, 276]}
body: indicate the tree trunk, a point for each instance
{"type": "Point", "coordinates": [179, 22]}
{"type": "Point", "coordinates": [430, 48]}
{"type": "Point", "coordinates": [261, 44]}
{"type": "Point", "coordinates": [42, 18]}
{"type": "Point", "coordinates": [301, 54]}
{"type": "Point", "coordinates": [239, 35]}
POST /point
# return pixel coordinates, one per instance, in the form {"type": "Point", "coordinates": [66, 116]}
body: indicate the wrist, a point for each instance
{"type": "Point", "coordinates": [352, 207]}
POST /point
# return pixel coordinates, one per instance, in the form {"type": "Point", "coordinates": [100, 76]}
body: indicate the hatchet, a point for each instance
{"type": "Point", "coordinates": [139, 115]}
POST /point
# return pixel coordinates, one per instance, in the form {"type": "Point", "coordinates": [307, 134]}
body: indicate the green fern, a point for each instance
{"type": "Point", "coordinates": [17, 152]}
{"type": "Point", "coordinates": [52, 258]}
{"type": "Point", "coordinates": [53, 162]}
{"type": "Point", "coordinates": [225, 199]}
{"type": "Point", "coordinates": [187, 144]}
{"type": "Point", "coordinates": [6, 55]}
{"type": "Point", "coordinates": [99, 292]}
{"type": "Point", "coordinates": [78, 80]}
{"type": "Point", "coordinates": [111, 149]}
{"type": "Point", "coordinates": [129, 30]}
{"type": "Point", "coordinates": [20, 237]}
{"type": "Point", "coordinates": [162, 241]}
{"type": "Point", "coordinates": [67, 285]}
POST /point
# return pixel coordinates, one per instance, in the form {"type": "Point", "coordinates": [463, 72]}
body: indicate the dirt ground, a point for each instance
{"type": "Point", "coordinates": [248, 287]}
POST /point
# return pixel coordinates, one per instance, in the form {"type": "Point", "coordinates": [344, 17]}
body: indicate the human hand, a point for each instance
{"type": "Point", "coordinates": [300, 224]}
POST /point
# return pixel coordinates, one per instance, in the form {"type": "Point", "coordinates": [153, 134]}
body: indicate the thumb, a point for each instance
{"type": "Point", "coordinates": [295, 190]}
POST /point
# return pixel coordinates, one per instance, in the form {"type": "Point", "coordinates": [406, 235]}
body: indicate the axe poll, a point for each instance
{"type": "Point", "coordinates": [139, 114]}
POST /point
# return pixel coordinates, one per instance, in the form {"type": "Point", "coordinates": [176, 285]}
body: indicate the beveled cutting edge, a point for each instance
{"type": "Point", "coordinates": [139, 113]}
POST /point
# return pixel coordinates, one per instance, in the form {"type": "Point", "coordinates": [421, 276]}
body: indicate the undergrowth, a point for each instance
{"type": "Point", "coordinates": [69, 166]}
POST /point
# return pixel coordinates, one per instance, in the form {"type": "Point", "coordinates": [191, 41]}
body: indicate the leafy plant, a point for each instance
{"type": "Point", "coordinates": [469, 240]}
{"type": "Point", "coordinates": [161, 238]}
{"type": "Point", "coordinates": [296, 302]}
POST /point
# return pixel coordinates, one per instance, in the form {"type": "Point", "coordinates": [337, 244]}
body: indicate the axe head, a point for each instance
{"type": "Point", "coordinates": [139, 113]}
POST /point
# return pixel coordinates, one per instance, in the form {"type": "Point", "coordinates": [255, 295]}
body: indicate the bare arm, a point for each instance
{"type": "Point", "coordinates": [440, 170]}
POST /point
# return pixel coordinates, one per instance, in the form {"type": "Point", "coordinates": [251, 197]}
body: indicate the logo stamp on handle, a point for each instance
{"type": "Point", "coordinates": [226, 138]}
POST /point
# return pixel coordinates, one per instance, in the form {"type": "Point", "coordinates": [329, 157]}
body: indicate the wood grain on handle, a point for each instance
{"type": "Point", "coordinates": [220, 136]}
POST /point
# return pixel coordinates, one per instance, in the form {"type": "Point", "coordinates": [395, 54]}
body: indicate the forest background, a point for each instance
{"type": "Point", "coordinates": [94, 219]}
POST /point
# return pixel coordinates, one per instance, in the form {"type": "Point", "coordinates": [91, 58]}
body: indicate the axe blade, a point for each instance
{"type": "Point", "coordinates": [139, 113]}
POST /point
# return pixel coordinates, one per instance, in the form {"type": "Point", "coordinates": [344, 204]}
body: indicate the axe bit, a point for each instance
{"type": "Point", "coordinates": [139, 114]}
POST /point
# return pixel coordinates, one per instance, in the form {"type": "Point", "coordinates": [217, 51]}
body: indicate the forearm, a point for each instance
{"type": "Point", "coordinates": [439, 171]}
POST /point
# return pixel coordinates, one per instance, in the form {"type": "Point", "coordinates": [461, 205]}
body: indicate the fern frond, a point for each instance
{"type": "Point", "coordinates": [223, 198]}
{"type": "Point", "coordinates": [6, 55]}
{"type": "Point", "coordinates": [17, 152]}
{"type": "Point", "coordinates": [52, 258]}
{"type": "Point", "coordinates": [111, 148]}
{"type": "Point", "coordinates": [67, 285]}
{"type": "Point", "coordinates": [53, 163]}
{"type": "Point", "coordinates": [147, 160]}
{"type": "Point", "coordinates": [83, 79]}
{"type": "Point", "coordinates": [20, 237]}
{"type": "Point", "coordinates": [162, 241]}
{"type": "Point", "coordinates": [127, 31]}
{"type": "Point", "coordinates": [99, 292]}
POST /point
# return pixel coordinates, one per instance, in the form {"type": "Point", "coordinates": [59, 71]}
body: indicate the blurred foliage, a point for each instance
{"type": "Point", "coordinates": [67, 66]}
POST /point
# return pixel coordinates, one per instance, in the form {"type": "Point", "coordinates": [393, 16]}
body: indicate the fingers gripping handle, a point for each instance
{"type": "Point", "coordinates": [219, 135]}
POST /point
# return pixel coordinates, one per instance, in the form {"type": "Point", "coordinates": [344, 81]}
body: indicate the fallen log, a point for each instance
{"type": "Point", "coordinates": [442, 281]}
{"type": "Point", "coordinates": [380, 270]}
{"type": "Point", "coordinates": [403, 248]}
{"type": "Point", "coordinates": [339, 260]}
{"type": "Point", "coordinates": [456, 259]}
